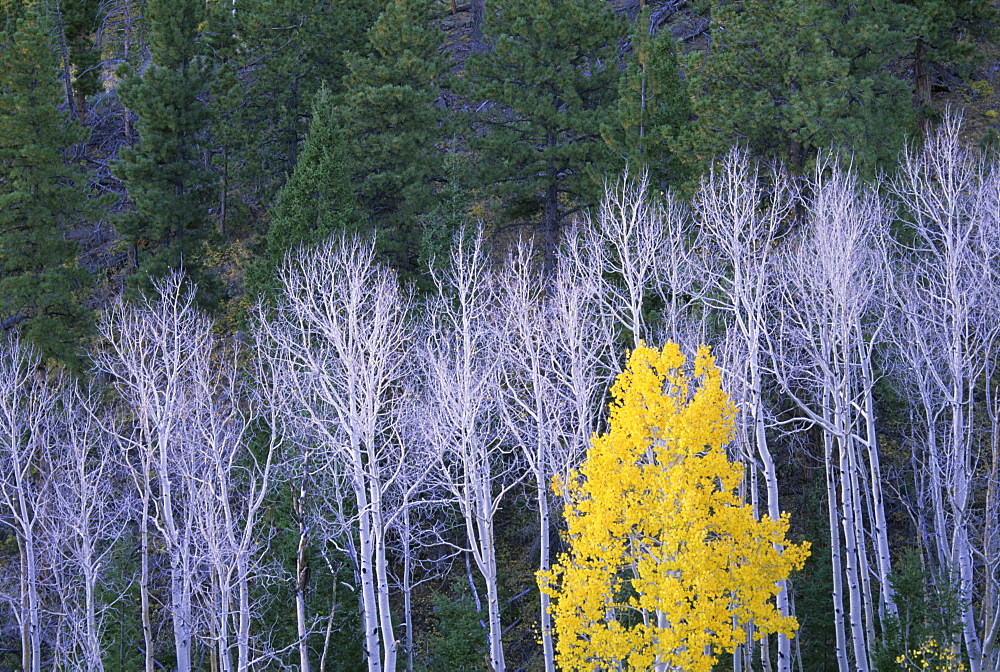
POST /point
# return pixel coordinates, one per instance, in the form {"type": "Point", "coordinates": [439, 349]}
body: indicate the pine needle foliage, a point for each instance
{"type": "Point", "coordinates": [42, 197]}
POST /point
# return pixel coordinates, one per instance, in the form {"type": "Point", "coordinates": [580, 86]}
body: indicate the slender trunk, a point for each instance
{"type": "Point", "coordinates": [771, 485]}
{"type": "Point", "coordinates": [390, 646]}
{"type": "Point", "coordinates": [93, 637]}
{"type": "Point", "coordinates": [243, 636]}
{"type": "Point", "coordinates": [961, 556]}
{"type": "Point", "coordinates": [864, 569]}
{"type": "Point", "coordinates": [548, 648]}
{"type": "Point", "coordinates": [991, 542]}
{"type": "Point", "coordinates": [369, 601]}
{"type": "Point", "coordinates": [551, 217]}
{"type": "Point", "coordinates": [22, 616]}
{"type": "Point", "coordinates": [329, 622]}
{"type": "Point", "coordinates": [408, 587]}
{"type": "Point", "coordinates": [31, 599]}
{"type": "Point", "coordinates": [855, 601]}
{"type": "Point", "coordinates": [64, 59]}
{"type": "Point", "coordinates": [835, 552]}
{"type": "Point", "coordinates": [489, 570]}
{"type": "Point", "coordinates": [301, 579]}
{"type": "Point", "coordinates": [147, 624]}
{"type": "Point", "coordinates": [225, 608]}
{"type": "Point", "coordinates": [888, 594]}
{"type": "Point", "coordinates": [922, 88]}
{"type": "Point", "coordinates": [479, 529]}
{"type": "Point", "coordinates": [180, 613]}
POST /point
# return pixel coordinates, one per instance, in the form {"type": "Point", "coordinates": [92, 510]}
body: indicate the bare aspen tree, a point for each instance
{"type": "Point", "coordinates": [554, 352]}
{"type": "Point", "coordinates": [634, 232]}
{"type": "Point", "coordinates": [88, 511]}
{"type": "Point", "coordinates": [823, 351]}
{"type": "Point", "coordinates": [529, 400]}
{"type": "Point", "coordinates": [741, 224]}
{"type": "Point", "coordinates": [27, 412]}
{"type": "Point", "coordinates": [989, 235]}
{"type": "Point", "coordinates": [345, 337]}
{"type": "Point", "coordinates": [947, 331]}
{"type": "Point", "coordinates": [232, 482]}
{"type": "Point", "coordinates": [151, 351]}
{"type": "Point", "coordinates": [461, 423]}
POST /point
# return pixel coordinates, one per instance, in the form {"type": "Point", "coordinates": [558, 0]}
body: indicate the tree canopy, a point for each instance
{"type": "Point", "coordinates": [667, 561]}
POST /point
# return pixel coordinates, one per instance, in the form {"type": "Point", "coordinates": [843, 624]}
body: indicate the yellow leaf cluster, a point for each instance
{"type": "Point", "coordinates": [667, 562]}
{"type": "Point", "coordinates": [932, 657]}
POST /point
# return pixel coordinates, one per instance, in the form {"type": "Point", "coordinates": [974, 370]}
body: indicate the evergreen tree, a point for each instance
{"type": "Point", "coordinates": [550, 79]}
{"type": "Point", "coordinates": [42, 289]}
{"type": "Point", "coordinates": [316, 203]}
{"type": "Point", "coordinates": [79, 23]}
{"type": "Point", "coordinates": [285, 51]}
{"type": "Point", "coordinates": [389, 112]}
{"type": "Point", "coordinates": [943, 37]}
{"type": "Point", "coordinates": [653, 107]}
{"type": "Point", "coordinates": [789, 77]}
{"type": "Point", "coordinates": [10, 12]}
{"type": "Point", "coordinates": [165, 176]}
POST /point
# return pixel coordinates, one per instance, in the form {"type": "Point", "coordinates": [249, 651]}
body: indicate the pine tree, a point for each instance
{"type": "Point", "coordinates": [787, 78]}
{"type": "Point", "coordinates": [10, 12]}
{"type": "Point", "coordinates": [285, 51]}
{"type": "Point", "coordinates": [667, 561]}
{"type": "Point", "coordinates": [653, 107]}
{"type": "Point", "coordinates": [389, 112]}
{"type": "Point", "coordinates": [42, 289]}
{"type": "Point", "coordinates": [550, 84]}
{"type": "Point", "coordinates": [943, 37]}
{"type": "Point", "coordinates": [316, 203]}
{"type": "Point", "coordinates": [78, 19]}
{"type": "Point", "coordinates": [164, 174]}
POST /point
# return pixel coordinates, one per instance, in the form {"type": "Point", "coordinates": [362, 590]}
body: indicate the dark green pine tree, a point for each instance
{"type": "Point", "coordinates": [788, 78]}
{"type": "Point", "coordinates": [42, 198]}
{"type": "Point", "coordinates": [943, 36]}
{"type": "Point", "coordinates": [316, 202]}
{"type": "Point", "coordinates": [79, 22]}
{"type": "Point", "coordinates": [550, 82]}
{"type": "Point", "coordinates": [167, 182]}
{"type": "Point", "coordinates": [653, 107]}
{"type": "Point", "coordinates": [10, 12]}
{"type": "Point", "coordinates": [284, 50]}
{"type": "Point", "coordinates": [389, 112]}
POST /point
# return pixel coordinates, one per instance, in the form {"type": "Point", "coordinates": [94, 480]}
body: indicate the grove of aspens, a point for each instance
{"type": "Point", "coordinates": [502, 335]}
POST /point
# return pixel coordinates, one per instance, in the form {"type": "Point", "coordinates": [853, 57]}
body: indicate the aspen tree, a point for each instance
{"type": "Point", "coordinates": [667, 563]}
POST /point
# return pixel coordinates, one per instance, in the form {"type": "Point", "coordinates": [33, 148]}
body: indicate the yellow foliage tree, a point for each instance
{"type": "Point", "coordinates": [667, 562]}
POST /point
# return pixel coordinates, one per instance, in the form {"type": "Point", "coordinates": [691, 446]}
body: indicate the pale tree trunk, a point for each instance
{"type": "Point", "coordinates": [152, 349]}
{"type": "Point", "coordinates": [461, 424]}
{"type": "Point", "coordinates": [301, 575]}
{"type": "Point", "coordinates": [28, 422]}
{"type": "Point", "coordinates": [836, 563]}
{"type": "Point", "coordinates": [741, 228]}
{"type": "Point", "coordinates": [948, 331]}
{"type": "Point", "coordinates": [343, 340]}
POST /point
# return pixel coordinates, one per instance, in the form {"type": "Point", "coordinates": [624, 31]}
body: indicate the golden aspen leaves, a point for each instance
{"type": "Point", "coordinates": [667, 563]}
